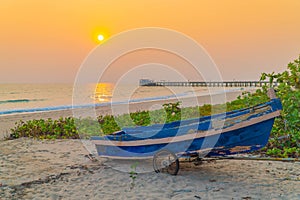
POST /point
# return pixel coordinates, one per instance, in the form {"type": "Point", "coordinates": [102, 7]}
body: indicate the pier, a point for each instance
{"type": "Point", "coordinates": [148, 82]}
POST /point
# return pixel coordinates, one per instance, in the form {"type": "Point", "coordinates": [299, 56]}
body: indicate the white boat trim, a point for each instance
{"type": "Point", "coordinates": [201, 153]}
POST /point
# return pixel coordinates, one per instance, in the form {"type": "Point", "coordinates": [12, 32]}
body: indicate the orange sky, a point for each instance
{"type": "Point", "coordinates": [46, 41]}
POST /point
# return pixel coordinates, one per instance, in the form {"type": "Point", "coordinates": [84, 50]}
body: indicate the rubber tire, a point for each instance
{"type": "Point", "coordinates": [175, 160]}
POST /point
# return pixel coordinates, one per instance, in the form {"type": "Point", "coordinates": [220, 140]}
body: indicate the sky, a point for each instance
{"type": "Point", "coordinates": [47, 41]}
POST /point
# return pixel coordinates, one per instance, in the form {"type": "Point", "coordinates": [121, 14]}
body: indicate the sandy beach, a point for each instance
{"type": "Point", "coordinates": [62, 169]}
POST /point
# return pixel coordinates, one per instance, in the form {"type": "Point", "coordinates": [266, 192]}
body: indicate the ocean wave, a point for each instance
{"type": "Point", "coordinates": [19, 100]}
{"type": "Point", "coordinates": [15, 111]}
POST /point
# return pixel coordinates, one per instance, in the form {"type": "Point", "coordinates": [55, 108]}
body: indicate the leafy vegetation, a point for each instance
{"type": "Point", "coordinates": [133, 175]}
{"type": "Point", "coordinates": [285, 136]}
{"type": "Point", "coordinates": [108, 124]}
{"type": "Point", "coordinates": [88, 126]}
{"type": "Point", "coordinates": [141, 118]}
{"type": "Point", "coordinates": [46, 129]}
{"type": "Point", "coordinates": [173, 111]}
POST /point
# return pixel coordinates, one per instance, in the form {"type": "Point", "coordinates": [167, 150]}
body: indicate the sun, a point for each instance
{"type": "Point", "coordinates": [100, 37]}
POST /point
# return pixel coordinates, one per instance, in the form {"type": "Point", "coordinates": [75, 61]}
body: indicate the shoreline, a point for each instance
{"type": "Point", "coordinates": [119, 102]}
{"type": "Point", "coordinates": [8, 121]}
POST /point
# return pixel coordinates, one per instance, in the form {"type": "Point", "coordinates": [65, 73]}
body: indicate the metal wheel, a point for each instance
{"type": "Point", "coordinates": [165, 161]}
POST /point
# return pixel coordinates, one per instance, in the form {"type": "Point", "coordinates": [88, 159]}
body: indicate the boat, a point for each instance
{"type": "Point", "coordinates": [238, 131]}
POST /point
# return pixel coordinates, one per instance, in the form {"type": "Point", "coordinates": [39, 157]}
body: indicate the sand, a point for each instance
{"type": "Point", "coordinates": [62, 169]}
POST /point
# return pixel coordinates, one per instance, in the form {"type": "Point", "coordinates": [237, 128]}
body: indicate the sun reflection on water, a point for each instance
{"type": "Point", "coordinates": [103, 92]}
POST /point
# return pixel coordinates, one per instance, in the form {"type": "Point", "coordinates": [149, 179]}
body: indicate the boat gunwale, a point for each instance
{"type": "Point", "coordinates": [190, 136]}
{"type": "Point", "coordinates": [204, 119]}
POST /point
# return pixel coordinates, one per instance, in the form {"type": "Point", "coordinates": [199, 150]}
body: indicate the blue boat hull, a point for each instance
{"type": "Point", "coordinates": [240, 137]}
{"type": "Point", "coordinates": [246, 139]}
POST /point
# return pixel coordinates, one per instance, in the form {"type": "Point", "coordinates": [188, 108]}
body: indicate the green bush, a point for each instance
{"type": "Point", "coordinates": [62, 128]}
{"type": "Point", "coordinates": [87, 127]}
{"type": "Point", "coordinates": [140, 118]}
{"type": "Point", "coordinates": [108, 124]}
{"type": "Point", "coordinates": [286, 130]}
{"type": "Point", "coordinates": [173, 111]}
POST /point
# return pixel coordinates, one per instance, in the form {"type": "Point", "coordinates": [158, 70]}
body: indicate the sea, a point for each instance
{"type": "Point", "coordinates": [22, 98]}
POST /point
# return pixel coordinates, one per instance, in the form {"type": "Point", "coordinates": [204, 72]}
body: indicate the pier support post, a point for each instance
{"type": "Point", "coordinates": [271, 93]}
